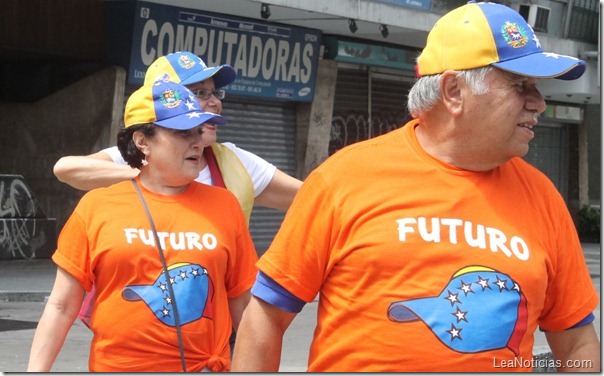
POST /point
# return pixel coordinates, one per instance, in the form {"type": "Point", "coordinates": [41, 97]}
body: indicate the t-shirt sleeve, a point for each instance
{"type": "Point", "coordinates": [571, 295]}
{"type": "Point", "coordinates": [271, 292]}
{"type": "Point", "coordinates": [299, 256]}
{"type": "Point", "coordinates": [72, 250]}
{"type": "Point", "coordinates": [260, 170]}
{"type": "Point", "coordinates": [115, 155]}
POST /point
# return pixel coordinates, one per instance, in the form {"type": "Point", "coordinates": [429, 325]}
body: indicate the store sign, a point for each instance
{"type": "Point", "coordinates": [272, 61]}
{"type": "Point", "coordinates": [369, 54]}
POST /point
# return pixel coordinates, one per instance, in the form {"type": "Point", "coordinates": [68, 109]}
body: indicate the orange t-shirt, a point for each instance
{"type": "Point", "coordinates": [210, 256]}
{"type": "Point", "coordinates": [421, 266]}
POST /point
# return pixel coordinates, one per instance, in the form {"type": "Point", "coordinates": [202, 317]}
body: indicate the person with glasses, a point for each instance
{"type": "Point", "coordinates": [253, 180]}
{"type": "Point", "coordinates": [205, 95]}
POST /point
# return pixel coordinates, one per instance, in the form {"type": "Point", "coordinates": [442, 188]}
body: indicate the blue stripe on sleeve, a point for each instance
{"type": "Point", "coordinates": [267, 289]}
{"type": "Point", "coordinates": [590, 318]}
{"type": "Point", "coordinates": [587, 320]}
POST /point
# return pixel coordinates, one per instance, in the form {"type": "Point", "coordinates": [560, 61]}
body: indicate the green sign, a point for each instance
{"type": "Point", "coordinates": [369, 54]}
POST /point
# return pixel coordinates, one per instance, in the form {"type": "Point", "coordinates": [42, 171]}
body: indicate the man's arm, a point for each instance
{"type": "Point", "coordinates": [577, 349]}
{"type": "Point", "coordinates": [58, 316]}
{"type": "Point", "coordinates": [280, 192]}
{"type": "Point", "coordinates": [260, 337]}
{"type": "Point", "coordinates": [92, 171]}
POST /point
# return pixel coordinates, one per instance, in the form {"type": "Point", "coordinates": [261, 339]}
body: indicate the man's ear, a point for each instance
{"type": "Point", "coordinates": [451, 92]}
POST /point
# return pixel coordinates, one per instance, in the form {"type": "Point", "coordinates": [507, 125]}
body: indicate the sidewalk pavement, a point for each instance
{"type": "Point", "coordinates": [24, 287]}
{"type": "Point", "coordinates": [25, 284]}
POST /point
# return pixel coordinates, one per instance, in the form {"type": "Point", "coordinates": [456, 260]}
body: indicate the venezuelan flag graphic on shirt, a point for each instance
{"type": "Point", "coordinates": [479, 309]}
{"type": "Point", "coordinates": [192, 288]}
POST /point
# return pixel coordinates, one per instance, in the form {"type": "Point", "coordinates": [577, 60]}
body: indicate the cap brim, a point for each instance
{"type": "Point", "coordinates": [545, 65]}
{"type": "Point", "coordinates": [191, 120]}
{"type": "Point", "coordinates": [223, 75]}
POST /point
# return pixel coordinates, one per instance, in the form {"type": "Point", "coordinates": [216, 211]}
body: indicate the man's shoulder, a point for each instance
{"type": "Point", "coordinates": [371, 151]}
{"type": "Point", "coordinates": [529, 176]}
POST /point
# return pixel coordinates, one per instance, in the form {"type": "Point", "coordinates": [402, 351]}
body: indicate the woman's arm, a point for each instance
{"type": "Point", "coordinates": [59, 314]}
{"type": "Point", "coordinates": [280, 192]}
{"type": "Point", "coordinates": [92, 171]}
{"type": "Point", "coordinates": [273, 187]}
{"type": "Point", "coordinates": [237, 306]}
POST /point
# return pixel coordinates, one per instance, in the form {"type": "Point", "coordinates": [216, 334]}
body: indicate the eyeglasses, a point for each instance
{"type": "Point", "coordinates": [205, 94]}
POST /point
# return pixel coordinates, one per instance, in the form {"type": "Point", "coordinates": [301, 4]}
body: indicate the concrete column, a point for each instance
{"type": "Point", "coordinates": [313, 120]}
{"type": "Point", "coordinates": [583, 166]}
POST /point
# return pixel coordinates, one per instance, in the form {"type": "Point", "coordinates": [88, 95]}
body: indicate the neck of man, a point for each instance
{"type": "Point", "coordinates": [446, 144]}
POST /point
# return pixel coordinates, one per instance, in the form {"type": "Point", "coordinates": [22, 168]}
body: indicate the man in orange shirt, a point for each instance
{"type": "Point", "coordinates": [436, 248]}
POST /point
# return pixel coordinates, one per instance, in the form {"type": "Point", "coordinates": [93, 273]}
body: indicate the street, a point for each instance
{"type": "Point", "coordinates": [18, 322]}
{"type": "Point", "coordinates": [24, 284]}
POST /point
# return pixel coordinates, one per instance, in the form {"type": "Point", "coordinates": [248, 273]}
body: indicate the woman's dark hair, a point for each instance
{"type": "Point", "coordinates": [125, 144]}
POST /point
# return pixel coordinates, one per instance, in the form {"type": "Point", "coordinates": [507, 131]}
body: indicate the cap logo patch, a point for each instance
{"type": "Point", "coordinates": [514, 35]}
{"type": "Point", "coordinates": [170, 98]}
{"type": "Point", "coordinates": [185, 62]}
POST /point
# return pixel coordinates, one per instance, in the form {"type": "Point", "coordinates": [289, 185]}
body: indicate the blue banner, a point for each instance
{"type": "Point", "coordinates": [272, 61]}
{"type": "Point", "coordinates": [415, 4]}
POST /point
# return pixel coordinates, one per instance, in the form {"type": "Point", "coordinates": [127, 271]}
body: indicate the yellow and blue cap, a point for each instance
{"type": "Point", "coordinates": [481, 34]}
{"type": "Point", "coordinates": [187, 68]}
{"type": "Point", "coordinates": [169, 105]}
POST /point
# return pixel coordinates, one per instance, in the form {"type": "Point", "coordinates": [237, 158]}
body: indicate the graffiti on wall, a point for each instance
{"type": "Point", "coordinates": [346, 129]}
{"type": "Point", "coordinates": [25, 232]}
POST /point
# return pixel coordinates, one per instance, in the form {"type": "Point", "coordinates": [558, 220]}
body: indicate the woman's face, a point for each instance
{"type": "Point", "coordinates": [174, 156]}
{"type": "Point", "coordinates": [210, 104]}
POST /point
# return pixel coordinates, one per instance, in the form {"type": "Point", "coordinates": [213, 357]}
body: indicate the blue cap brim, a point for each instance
{"type": "Point", "coordinates": [223, 75]}
{"type": "Point", "coordinates": [191, 120]}
{"type": "Point", "coordinates": [545, 65]}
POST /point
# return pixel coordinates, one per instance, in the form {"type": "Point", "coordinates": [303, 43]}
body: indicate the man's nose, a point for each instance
{"type": "Point", "coordinates": [535, 101]}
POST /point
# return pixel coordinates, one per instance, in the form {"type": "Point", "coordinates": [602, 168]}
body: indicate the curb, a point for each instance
{"type": "Point", "coordinates": [15, 296]}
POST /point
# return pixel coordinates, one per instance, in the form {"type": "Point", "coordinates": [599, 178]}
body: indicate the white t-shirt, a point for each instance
{"type": "Point", "coordinates": [260, 170]}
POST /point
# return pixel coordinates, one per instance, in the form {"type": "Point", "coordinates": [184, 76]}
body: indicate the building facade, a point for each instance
{"type": "Point", "coordinates": [313, 77]}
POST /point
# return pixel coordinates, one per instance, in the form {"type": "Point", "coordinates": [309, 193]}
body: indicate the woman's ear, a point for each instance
{"type": "Point", "coordinates": [451, 87]}
{"type": "Point", "coordinates": [140, 140]}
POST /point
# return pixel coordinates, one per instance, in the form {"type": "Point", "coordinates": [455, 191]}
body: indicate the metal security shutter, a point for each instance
{"type": "Point", "coordinates": [548, 152]}
{"type": "Point", "coordinates": [349, 123]}
{"type": "Point", "coordinates": [266, 129]}
{"type": "Point", "coordinates": [388, 103]}
{"type": "Point", "coordinates": [367, 104]}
